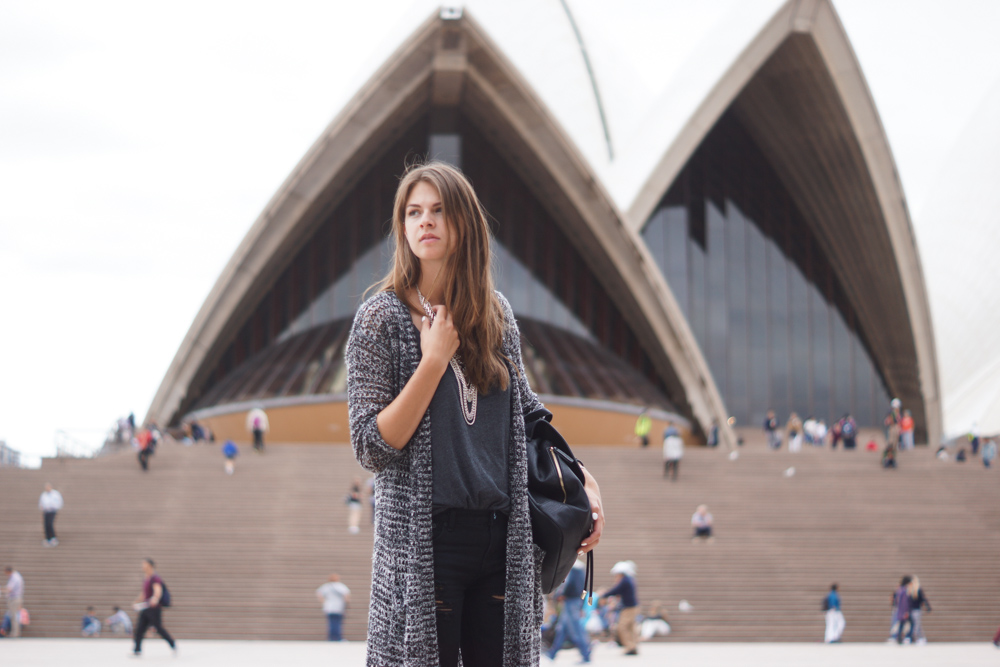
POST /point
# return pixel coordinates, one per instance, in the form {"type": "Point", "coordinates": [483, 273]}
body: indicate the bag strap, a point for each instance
{"type": "Point", "coordinates": [535, 415]}
{"type": "Point", "coordinates": [588, 580]}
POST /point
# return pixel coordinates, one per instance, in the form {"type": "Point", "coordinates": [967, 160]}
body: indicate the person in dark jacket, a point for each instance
{"type": "Point", "coordinates": [624, 589]}
{"type": "Point", "coordinates": [570, 623]}
{"type": "Point", "coordinates": [918, 603]}
{"type": "Point", "coordinates": [771, 430]}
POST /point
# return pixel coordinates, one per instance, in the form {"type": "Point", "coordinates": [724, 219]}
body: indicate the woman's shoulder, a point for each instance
{"type": "Point", "coordinates": [505, 309]}
{"type": "Point", "coordinates": [378, 311]}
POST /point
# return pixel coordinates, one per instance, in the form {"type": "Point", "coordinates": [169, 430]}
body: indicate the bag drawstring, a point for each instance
{"type": "Point", "coordinates": [588, 580]}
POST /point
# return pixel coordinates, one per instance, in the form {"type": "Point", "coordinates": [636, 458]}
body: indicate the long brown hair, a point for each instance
{"type": "Point", "coordinates": [467, 278]}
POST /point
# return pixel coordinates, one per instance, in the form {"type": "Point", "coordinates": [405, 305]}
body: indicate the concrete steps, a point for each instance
{"type": "Point", "coordinates": [242, 555]}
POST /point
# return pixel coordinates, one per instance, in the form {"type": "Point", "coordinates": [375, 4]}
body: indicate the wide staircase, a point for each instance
{"type": "Point", "coordinates": [243, 555]}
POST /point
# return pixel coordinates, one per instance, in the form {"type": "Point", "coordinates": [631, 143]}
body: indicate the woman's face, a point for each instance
{"type": "Point", "coordinates": [426, 231]}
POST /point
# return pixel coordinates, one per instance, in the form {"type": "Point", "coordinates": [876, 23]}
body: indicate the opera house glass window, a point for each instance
{"type": "Point", "coordinates": [758, 292]}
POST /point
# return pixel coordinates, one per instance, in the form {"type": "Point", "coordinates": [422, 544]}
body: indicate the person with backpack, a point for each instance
{"type": "Point", "coordinates": [834, 617]}
{"type": "Point", "coordinates": [155, 596]}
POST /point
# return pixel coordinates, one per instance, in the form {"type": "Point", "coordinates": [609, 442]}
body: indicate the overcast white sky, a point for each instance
{"type": "Point", "coordinates": [139, 141]}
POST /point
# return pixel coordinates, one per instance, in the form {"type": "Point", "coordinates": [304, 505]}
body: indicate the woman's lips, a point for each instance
{"type": "Point", "coordinates": [429, 237]}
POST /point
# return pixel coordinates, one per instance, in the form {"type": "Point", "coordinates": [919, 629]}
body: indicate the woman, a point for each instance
{"type": "Point", "coordinates": [793, 428]}
{"type": "Point", "coordinates": [354, 507]}
{"type": "Point", "coordinates": [918, 602]}
{"type": "Point", "coordinates": [437, 396]}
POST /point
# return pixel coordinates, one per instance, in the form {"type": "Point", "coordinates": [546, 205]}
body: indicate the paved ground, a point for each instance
{"type": "Point", "coordinates": [105, 652]}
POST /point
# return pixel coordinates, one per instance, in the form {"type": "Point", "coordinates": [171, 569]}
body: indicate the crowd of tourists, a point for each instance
{"type": "Point", "coordinates": [814, 432]}
{"type": "Point", "coordinates": [898, 429]}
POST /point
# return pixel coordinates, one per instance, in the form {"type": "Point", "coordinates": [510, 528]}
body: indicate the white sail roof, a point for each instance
{"type": "Point", "coordinates": [651, 65]}
{"type": "Point", "coordinates": [960, 238]}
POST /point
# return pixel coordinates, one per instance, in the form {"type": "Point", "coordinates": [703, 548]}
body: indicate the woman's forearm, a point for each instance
{"type": "Point", "coordinates": [399, 420]}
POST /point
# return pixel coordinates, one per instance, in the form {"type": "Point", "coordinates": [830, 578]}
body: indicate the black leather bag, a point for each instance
{"type": "Point", "coordinates": [560, 508]}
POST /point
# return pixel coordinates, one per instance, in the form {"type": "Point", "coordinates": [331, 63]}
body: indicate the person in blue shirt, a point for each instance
{"type": "Point", "coordinates": [570, 623]}
{"type": "Point", "coordinates": [834, 617]}
{"type": "Point", "coordinates": [90, 626]}
{"type": "Point", "coordinates": [624, 589]}
{"type": "Point", "coordinates": [230, 451]}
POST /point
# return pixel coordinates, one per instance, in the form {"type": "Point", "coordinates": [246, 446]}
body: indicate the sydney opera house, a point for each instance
{"type": "Point", "coordinates": [738, 243]}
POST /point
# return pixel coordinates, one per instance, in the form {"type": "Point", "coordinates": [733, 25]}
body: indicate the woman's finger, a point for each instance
{"type": "Point", "coordinates": [597, 510]}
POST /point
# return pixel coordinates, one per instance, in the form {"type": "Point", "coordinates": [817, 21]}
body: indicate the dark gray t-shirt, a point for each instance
{"type": "Point", "coordinates": [470, 462]}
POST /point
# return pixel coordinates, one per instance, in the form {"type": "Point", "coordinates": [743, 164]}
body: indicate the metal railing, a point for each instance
{"type": "Point", "coordinates": [70, 446]}
{"type": "Point", "coordinates": [9, 457]}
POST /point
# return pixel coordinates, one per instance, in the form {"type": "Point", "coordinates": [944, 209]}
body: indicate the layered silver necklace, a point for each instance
{"type": "Point", "coordinates": [468, 395]}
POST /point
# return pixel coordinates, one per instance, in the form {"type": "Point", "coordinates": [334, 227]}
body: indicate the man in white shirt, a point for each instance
{"type": "Point", "coordinates": [50, 502]}
{"type": "Point", "coordinates": [809, 430]}
{"type": "Point", "coordinates": [119, 622]}
{"type": "Point", "coordinates": [14, 590]}
{"type": "Point", "coordinates": [820, 436]}
{"type": "Point", "coordinates": [334, 596]}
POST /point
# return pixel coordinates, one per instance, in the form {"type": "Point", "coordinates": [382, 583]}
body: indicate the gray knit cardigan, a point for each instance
{"type": "Point", "coordinates": [383, 351]}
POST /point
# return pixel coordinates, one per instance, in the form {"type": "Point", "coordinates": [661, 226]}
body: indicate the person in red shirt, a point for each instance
{"type": "Point", "coordinates": [150, 607]}
{"type": "Point", "coordinates": [906, 430]}
{"type": "Point", "coordinates": [145, 439]}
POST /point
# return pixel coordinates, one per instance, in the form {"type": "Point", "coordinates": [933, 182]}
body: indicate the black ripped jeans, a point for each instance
{"type": "Point", "coordinates": [470, 560]}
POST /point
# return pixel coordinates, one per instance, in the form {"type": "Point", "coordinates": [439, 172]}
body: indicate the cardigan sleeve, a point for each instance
{"type": "Point", "coordinates": [370, 384]}
{"type": "Point", "coordinates": [512, 346]}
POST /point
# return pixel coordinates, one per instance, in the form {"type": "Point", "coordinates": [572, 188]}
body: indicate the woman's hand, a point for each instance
{"type": "Point", "coordinates": [438, 339]}
{"type": "Point", "coordinates": [597, 508]}
{"type": "Point", "coordinates": [398, 421]}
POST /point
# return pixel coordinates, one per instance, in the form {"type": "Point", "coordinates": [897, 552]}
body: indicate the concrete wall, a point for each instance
{"type": "Point", "coordinates": [326, 423]}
